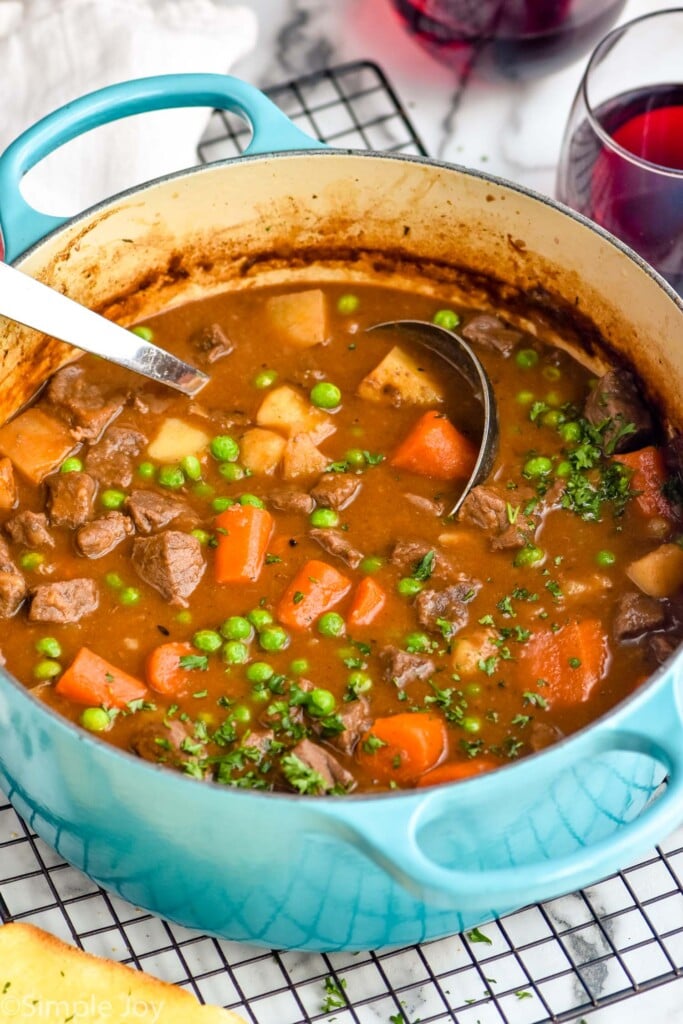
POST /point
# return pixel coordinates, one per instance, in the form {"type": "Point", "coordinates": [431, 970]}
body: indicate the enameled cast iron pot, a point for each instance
{"type": "Point", "coordinates": [362, 871]}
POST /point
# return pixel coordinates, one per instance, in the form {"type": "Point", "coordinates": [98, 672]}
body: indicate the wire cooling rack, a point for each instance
{"type": "Point", "coordinates": [553, 962]}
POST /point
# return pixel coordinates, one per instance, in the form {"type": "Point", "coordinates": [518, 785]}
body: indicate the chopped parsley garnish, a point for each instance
{"type": "Point", "coordinates": [194, 662]}
{"type": "Point", "coordinates": [272, 559]}
{"type": "Point", "coordinates": [301, 777]}
{"type": "Point", "coordinates": [334, 998]}
{"type": "Point", "coordinates": [424, 567]}
{"type": "Point", "coordinates": [530, 697]}
{"type": "Point", "coordinates": [474, 935]}
{"type": "Point", "coordinates": [372, 744]}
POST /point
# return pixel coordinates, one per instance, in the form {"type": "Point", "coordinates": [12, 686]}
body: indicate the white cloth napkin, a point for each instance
{"type": "Point", "coordinates": [52, 51]}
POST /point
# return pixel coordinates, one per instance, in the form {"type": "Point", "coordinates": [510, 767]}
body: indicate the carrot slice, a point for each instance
{"type": "Point", "coordinates": [402, 747]}
{"type": "Point", "coordinates": [368, 601]}
{"type": "Point", "coordinates": [315, 589]}
{"type": "Point", "coordinates": [90, 679]}
{"type": "Point", "coordinates": [165, 671]}
{"type": "Point", "coordinates": [455, 771]}
{"type": "Point", "coordinates": [435, 448]}
{"type": "Point", "coordinates": [571, 662]}
{"type": "Point", "coordinates": [242, 535]}
{"type": "Point", "coordinates": [648, 478]}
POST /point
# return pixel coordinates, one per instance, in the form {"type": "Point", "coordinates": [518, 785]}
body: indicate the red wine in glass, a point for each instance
{"type": "Point", "coordinates": [516, 39]}
{"type": "Point", "coordinates": [641, 200]}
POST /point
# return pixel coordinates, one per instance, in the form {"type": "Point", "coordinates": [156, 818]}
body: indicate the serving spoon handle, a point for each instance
{"type": "Point", "coordinates": [33, 304]}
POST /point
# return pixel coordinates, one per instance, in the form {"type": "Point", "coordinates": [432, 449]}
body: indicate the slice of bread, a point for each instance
{"type": "Point", "coordinates": [46, 979]}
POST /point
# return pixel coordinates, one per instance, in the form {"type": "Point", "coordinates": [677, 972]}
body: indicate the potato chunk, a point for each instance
{"type": "Point", "coordinates": [8, 486]}
{"type": "Point", "coordinates": [302, 458]}
{"type": "Point", "coordinates": [175, 440]}
{"type": "Point", "coordinates": [467, 652]}
{"type": "Point", "coordinates": [286, 410]}
{"type": "Point", "coordinates": [36, 443]}
{"type": "Point", "coordinates": [300, 318]}
{"type": "Point", "coordinates": [261, 450]}
{"type": "Point", "coordinates": [660, 572]}
{"type": "Point", "coordinates": [398, 379]}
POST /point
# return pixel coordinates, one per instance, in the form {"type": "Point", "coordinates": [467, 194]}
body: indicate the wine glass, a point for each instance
{"type": "Point", "coordinates": [621, 162]}
{"type": "Point", "coordinates": [507, 39]}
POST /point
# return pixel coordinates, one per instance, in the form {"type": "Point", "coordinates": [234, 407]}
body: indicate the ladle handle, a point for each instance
{"type": "Point", "coordinates": [22, 226]}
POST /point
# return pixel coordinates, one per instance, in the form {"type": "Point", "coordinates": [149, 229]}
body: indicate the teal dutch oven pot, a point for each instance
{"type": "Point", "coordinates": [362, 871]}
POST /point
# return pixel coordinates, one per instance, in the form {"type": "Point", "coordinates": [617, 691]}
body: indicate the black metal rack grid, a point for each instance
{"type": "Point", "coordinates": [552, 962]}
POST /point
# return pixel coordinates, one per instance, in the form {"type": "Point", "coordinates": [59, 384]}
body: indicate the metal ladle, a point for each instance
{"type": "Point", "coordinates": [455, 351]}
{"type": "Point", "coordinates": [35, 305]}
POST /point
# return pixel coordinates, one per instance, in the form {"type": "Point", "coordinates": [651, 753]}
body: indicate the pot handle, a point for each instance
{"type": "Point", "coordinates": [22, 225]}
{"type": "Point", "coordinates": [388, 835]}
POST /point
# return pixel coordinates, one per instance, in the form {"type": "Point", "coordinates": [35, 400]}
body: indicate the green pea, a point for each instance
{"type": "Point", "coordinates": [417, 642]}
{"type": "Point", "coordinates": [184, 618]}
{"type": "Point", "coordinates": [551, 372]}
{"type": "Point", "coordinates": [47, 668]}
{"type": "Point", "coordinates": [259, 618]}
{"type": "Point", "coordinates": [112, 498]}
{"type": "Point", "coordinates": [325, 395]}
{"type": "Point", "coordinates": [605, 558]}
{"type": "Point", "coordinates": [331, 624]}
{"type": "Point", "coordinates": [264, 379]}
{"type": "Point", "coordinates": [231, 471]}
{"type": "Point", "coordinates": [235, 652]}
{"type": "Point", "coordinates": [31, 560]}
{"type": "Point", "coordinates": [355, 458]}
{"type": "Point", "coordinates": [146, 470]}
{"type": "Point", "coordinates": [220, 504]}
{"type": "Point", "coordinates": [324, 518]}
{"type": "Point", "coordinates": [298, 666]}
{"type": "Point", "coordinates": [563, 469]}
{"type": "Point", "coordinates": [553, 418]}
{"type": "Point", "coordinates": [553, 398]}
{"type": "Point", "coordinates": [237, 628]}
{"type": "Point", "coordinates": [201, 535]}
{"type": "Point", "coordinates": [171, 477]}
{"type": "Point", "coordinates": [539, 465]}
{"type": "Point", "coordinates": [113, 580]}
{"type": "Point", "coordinates": [203, 490]}
{"type": "Point", "coordinates": [371, 564]}
{"type": "Point", "coordinates": [447, 318]}
{"type": "Point", "coordinates": [473, 689]}
{"type": "Point", "coordinates": [130, 596]}
{"type": "Point", "coordinates": [526, 358]}
{"type": "Point", "coordinates": [241, 714]}
{"type": "Point", "coordinates": [191, 467]}
{"type": "Point", "coordinates": [251, 499]}
{"type": "Point", "coordinates": [570, 432]}
{"type": "Point", "coordinates": [143, 331]}
{"type": "Point", "coordinates": [530, 555]}
{"type": "Point", "coordinates": [471, 723]}
{"type": "Point", "coordinates": [525, 397]}
{"type": "Point", "coordinates": [71, 465]}
{"type": "Point", "coordinates": [95, 719]}
{"type": "Point", "coordinates": [207, 640]}
{"type": "Point", "coordinates": [408, 587]}
{"type": "Point", "coordinates": [347, 304]}
{"type": "Point", "coordinates": [224, 448]}
{"type": "Point", "coordinates": [273, 638]}
{"type": "Point", "coordinates": [260, 672]}
{"type": "Point", "coordinates": [49, 646]}
{"type": "Point", "coordinates": [320, 702]}
{"type": "Point", "coordinates": [359, 681]}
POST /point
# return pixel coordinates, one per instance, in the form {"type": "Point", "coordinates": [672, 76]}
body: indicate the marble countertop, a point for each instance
{"type": "Point", "coordinates": [512, 130]}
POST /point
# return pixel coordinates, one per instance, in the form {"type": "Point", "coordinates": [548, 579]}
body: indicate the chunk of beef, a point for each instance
{"type": "Point", "coordinates": [543, 734]}
{"type": "Point", "coordinates": [616, 397]}
{"type": "Point", "coordinates": [153, 402]}
{"type": "Point", "coordinates": [336, 543]}
{"type": "Point", "coordinates": [407, 555]}
{"type": "Point", "coordinates": [211, 343]}
{"type": "Point", "coordinates": [13, 587]}
{"type": "Point", "coordinates": [448, 605]}
{"type": "Point", "coordinates": [30, 530]}
{"type": "Point", "coordinates": [161, 742]}
{"type": "Point", "coordinates": [261, 739]}
{"type": "Point", "coordinates": [81, 404]}
{"type": "Point", "coordinates": [111, 460]}
{"type": "Point", "coordinates": [325, 764]}
{"type": "Point", "coordinates": [64, 601]}
{"type": "Point", "coordinates": [357, 719]}
{"type": "Point", "coordinates": [336, 490]}
{"type": "Point", "coordinates": [285, 500]}
{"type": "Point", "coordinates": [171, 562]}
{"type": "Point", "coordinates": [431, 506]}
{"type": "Point", "coordinates": [70, 499]}
{"type": "Point", "coordinates": [662, 645]}
{"type": "Point", "coordinates": [486, 509]}
{"type": "Point", "coordinates": [151, 510]}
{"type": "Point", "coordinates": [101, 536]}
{"type": "Point", "coordinates": [637, 614]}
{"type": "Point", "coordinates": [400, 668]}
{"type": "Point", "coordinates": [488, 331]}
